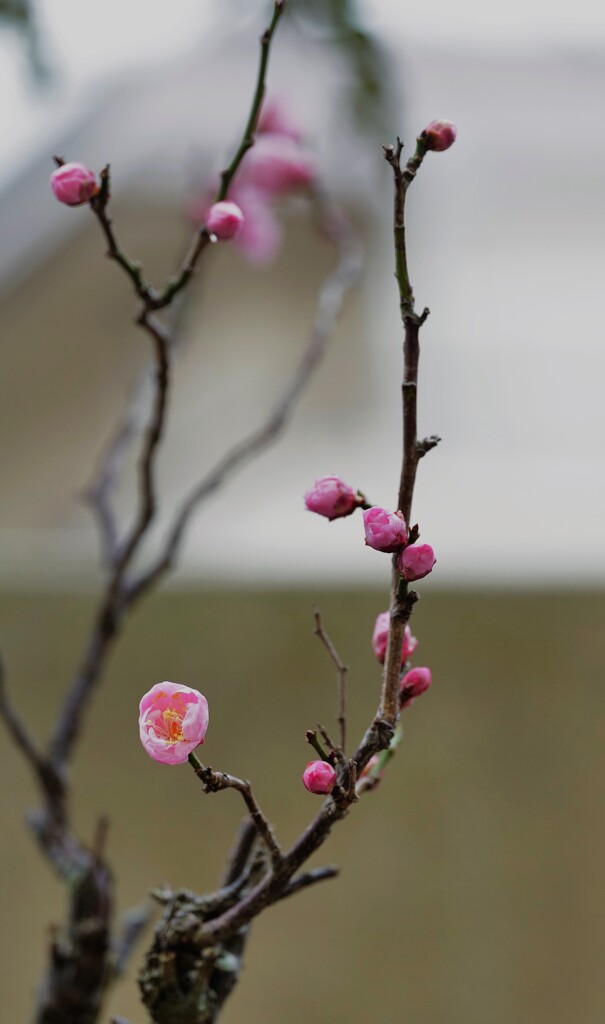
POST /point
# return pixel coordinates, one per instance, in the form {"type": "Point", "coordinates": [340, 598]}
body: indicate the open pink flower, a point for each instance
{"type": "Point", "coordinates": [172, 722]}
{"type": "Point", "coordinates": [73, 184]}
{"type": "Point", "coordinates": [381, 635]}
{"type": "Point", "coordinates": [319, 777]}
{"type": "Point", "coordinates": [331, 497]}
{"type": "Point", "coordinates": [385, 531]}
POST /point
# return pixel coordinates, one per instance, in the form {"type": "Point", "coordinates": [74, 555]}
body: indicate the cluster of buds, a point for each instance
{"type": "Point", "coordinates": [414, 681]}
{"type": "Point", "coordinates": [384, 531]}
{"type": "Point", "coordinates": [74, 184]}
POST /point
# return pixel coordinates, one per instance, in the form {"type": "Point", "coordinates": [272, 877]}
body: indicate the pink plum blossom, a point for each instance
{"type": "Point", "coordinates": [416, 561]}
{"type": "Point", "coordinates": [319, 777]}
{"type": "Point", "coordinates": [381, 634]}
{"type": "Point", "coordinates": [277, 165]}
{"type": "Point", "coordinates": [331, 497]}
{"type": "Point", "coordinates": [172, 722]}
{"type": "Point", "coordinates": [414, 684]}
{"type": "Point", "coordinates": [261, 234]}
{"type": "Point", "coordinates": [224, 219]}
{"type": "Point", "coordinates": [73, 184]}
{"type": "Point", "coordinates": [385, 531]}
{"type": "Point", "coordinates": [439, 135]}
{"type": "Point", "coordinates": [275, 120]}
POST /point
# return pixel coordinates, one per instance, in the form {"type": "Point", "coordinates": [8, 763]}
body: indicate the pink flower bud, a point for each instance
{"type": "Point", "coordinates": [370, 768]}
{"type": "Point", "coordinates": [439, 135]}
{"type": "Point", "coordinates": [276, 164]}
{"type": "Point", "coordinates": [381, 634]}
{"type": "Point", "coordinates": [331, 497]}
{"type": "Point", "coordinates": [224, 219]}
{"type": "Point", "coordinates": [385, 531]}
{"type": "Point", "coordinates": [73, 184]}
{"type": "Point", "coordinates": [414, 684]}
{"type": "Point", "coordinates": [172, 722]}
{"type": "Point", "coordinates": [416, 561]}
{"type": "Point", "coordinates": [319, 777]}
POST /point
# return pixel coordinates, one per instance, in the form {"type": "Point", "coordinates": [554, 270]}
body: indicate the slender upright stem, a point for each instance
{"type": "Point", "coordinates": [248, 138]}
{"type": "Point", "coordinates": [403, 600]}
{"type": "Point", "coordinates": [342, 670]}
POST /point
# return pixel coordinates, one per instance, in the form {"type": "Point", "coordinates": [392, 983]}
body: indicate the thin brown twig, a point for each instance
{"type": "Point", "coordinates": [329, 305]}
{"type": "Point", "coordinates": [311, 738]}
{"type": "Point", "coordinates": [16, 726]}
{"type": "Point", "coordinates": [341, 670]}
{"type": "Point", "coordinates": [402, 600]}
{"type": "Point", "coordinates": [214, 781]}
{"type": "Point", "coordinates": [240, 852]}
{"type": "Point", "coordinates": [133, 924]}
{"type": "Point", "coordinates": [307, 879]}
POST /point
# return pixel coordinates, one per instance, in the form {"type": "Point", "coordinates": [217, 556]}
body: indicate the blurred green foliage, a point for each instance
{"type": "Point", "coordinates": [20, 16]}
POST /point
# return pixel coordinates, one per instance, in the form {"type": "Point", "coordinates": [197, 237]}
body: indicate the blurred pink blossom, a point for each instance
{"type": "Point", "coordinates": [275, 120]}
{"type": "Point", "coordinates": [370, 768]}
{"type": "Point", "coordinates": [173, 721]}
{"type": "Point", "coordinates": [277, 165]}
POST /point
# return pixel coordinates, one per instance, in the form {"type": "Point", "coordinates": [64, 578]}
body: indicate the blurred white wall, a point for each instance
{"type": "Point", "coordinates": [506, 247]}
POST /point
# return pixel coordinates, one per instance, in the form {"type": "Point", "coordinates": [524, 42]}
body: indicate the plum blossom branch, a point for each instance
{"type": "Point", "coordinates": [118, 596]}
{"type": "Point", "coordinates": [403, 601]}
{"type": "Point", "coordinates": [80, 964]}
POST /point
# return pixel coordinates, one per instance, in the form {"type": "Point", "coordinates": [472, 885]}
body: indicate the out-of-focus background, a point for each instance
{"type": "Point", "coordinates": [471, 887]}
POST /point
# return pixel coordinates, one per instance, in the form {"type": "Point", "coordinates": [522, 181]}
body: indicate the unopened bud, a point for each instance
{"type": "Point", "coordinates": [381, 635]}
{"type": "Point", "coordinates": [439, 135]}
{"type": "Point", "coordinates": [73, 184]}
{"type": "Point", "coordinates": [385, 531]}
{"type": "Point", "coordinates": [414, 684]}
{"type": "Point", "coordinates": [331, 497]}
{"type": "Point", "coordinates": [319, 777]}
{"type": "Point", "coordinates": [416, 561]}
{"type": "Point", "coordinates": [224, 219]}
